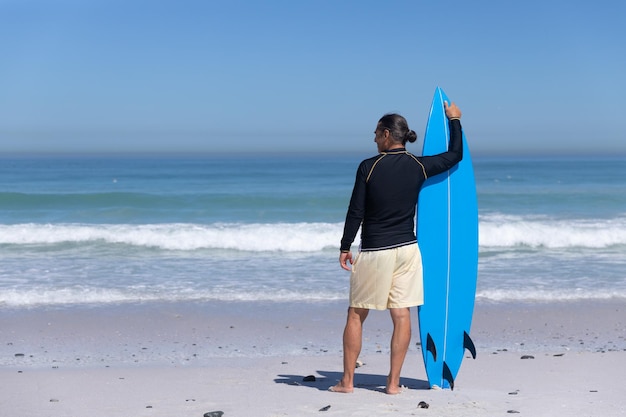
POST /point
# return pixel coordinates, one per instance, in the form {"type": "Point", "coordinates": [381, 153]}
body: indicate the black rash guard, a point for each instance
{"type": "Point", "coordinates": [385, 194]}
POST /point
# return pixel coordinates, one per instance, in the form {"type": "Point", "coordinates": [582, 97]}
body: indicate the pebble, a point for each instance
{"type": "Point", "coordinates": [309, 378]}
{"type": "Point", "coordinates": [423, 404]}
{"type": "Point", "coordinates": [325, 408]}
{"type": "Point", "coordinates": [528, 357]}
{"type": "Point", "coordinates": [513, 412]}
{"type": "Point", "coordinates": [214, 414]}
{"type": "Point", "coordinates": [19, 355]}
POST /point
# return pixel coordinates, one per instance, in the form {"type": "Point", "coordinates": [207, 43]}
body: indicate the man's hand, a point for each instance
{"type": "Point", "coordinates": [344, 258]}
{"type": "Point", "coordinates": [452, 111]}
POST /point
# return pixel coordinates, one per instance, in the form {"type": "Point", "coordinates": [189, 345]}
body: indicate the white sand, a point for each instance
{"type": "Point", "coordinates": [250, 360]}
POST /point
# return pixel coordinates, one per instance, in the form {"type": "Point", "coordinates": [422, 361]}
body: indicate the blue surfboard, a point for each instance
{"type": "Point", "coordinates": [447, 233]}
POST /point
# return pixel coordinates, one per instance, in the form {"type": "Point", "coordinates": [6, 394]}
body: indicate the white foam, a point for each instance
{"type": "Point", "coordinates": [52, 297]}
{"type": "Point", "coordinates": [496, 231]}
{"type": "Point", "coordinates": [75, 296]}
{"type": "Point", "coordinates": [543, 295]}
{"type": "Point", "coordinates": [506, 231]}
{"type": "Point", "coordinates": [287, 237]}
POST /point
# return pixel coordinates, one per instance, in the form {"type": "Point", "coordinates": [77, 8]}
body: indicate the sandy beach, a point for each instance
{"type": "Point", "coordinates": [248, 359]}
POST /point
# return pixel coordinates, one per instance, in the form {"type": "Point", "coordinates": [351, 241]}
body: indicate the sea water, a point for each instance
{"type": "Point", "coordinates": [96, 230]}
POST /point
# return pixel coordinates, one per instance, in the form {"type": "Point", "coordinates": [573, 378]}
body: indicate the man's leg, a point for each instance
{"type": "Point", "coordinates": [400, 340]}
{"type": "Point", "coordinates": [352, 339]}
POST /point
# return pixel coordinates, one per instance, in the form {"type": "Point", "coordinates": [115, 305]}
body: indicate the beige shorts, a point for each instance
{"type": "Point", "coordinates": [390, 278]}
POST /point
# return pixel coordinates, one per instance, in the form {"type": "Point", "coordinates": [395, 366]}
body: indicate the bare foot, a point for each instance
{"type": "Point", "coordinates": [392, 388]}
{"type": "Point", "coordinates": [395, 390]}
{"type": "Point", "coordinates": [341, 388]}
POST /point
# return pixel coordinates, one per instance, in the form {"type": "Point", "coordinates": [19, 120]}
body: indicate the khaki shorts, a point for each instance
{"type": "Point", "coordinates": [390, 278]}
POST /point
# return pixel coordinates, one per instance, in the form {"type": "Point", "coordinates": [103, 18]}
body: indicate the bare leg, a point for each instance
{"type": "Point", "coordinates": [352, 339]}
{"type": "Point", "coordinates": [400, 340]}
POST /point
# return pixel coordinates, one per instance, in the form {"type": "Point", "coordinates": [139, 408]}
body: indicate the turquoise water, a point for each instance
{"type": "Point", "coordinates": [93, 229]}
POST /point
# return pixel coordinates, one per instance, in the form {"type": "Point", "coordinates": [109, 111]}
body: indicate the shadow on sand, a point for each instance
{"type": "Point", "coordinates": [326, 379]}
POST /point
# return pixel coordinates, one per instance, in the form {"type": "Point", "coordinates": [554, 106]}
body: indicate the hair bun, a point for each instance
{"type": "Point", "coordinates": [410, 136]}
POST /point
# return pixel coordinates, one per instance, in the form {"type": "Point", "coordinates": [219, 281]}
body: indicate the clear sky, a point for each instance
{"type": "Point", "coordinates": [531, 77]}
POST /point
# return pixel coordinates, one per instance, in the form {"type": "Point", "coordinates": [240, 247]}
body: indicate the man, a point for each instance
{"type": "Point", "coordinates": [387, 273]}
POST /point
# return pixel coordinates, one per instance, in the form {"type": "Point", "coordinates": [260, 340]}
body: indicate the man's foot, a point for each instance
{"type": "Point", "coordinates": [341, 388]}
{"type": "Point", "coordinates": [393, 388]}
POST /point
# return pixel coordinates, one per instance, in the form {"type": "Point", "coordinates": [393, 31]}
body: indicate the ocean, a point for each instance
{"type": "Point", "coordinates": [94, 230]}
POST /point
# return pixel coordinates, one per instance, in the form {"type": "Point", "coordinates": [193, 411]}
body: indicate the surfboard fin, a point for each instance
{"type": "Point", "coordinates": [469, 344]}
{"type": "Point", "coordinates": [430, 346]}
{"type": "Point", "coordinates": [447, 375]}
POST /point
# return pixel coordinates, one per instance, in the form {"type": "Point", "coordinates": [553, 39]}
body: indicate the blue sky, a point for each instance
{"type": "Point", "coordinates": [533, 77]}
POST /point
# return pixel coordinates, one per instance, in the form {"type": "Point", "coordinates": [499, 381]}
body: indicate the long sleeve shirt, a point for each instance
{"type": "Point", "coordinates": [386, 190]}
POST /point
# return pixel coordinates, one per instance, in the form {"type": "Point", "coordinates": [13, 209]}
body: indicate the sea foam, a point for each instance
{"type": "Point", "coordinates": [495, 231]}
{"type": "Point", "coordinates": [508, 231]}
{"type": "Point", "coordinates": [280, 237]}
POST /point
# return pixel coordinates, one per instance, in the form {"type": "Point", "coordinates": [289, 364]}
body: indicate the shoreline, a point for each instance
{"type": "Point", "coordinates": [181, 333]}
{"type": "Point", "coordinates": [162, 333]}
{"type": "Point", "coordinates": [163, 359]}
